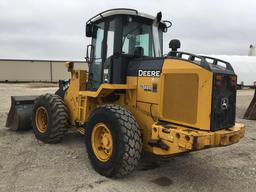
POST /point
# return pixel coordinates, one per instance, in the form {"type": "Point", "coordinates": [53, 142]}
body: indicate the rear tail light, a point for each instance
{"type": "Point", "coordinates": [233, 81]}
{"type": "Point", "coordinates": [218, 80]}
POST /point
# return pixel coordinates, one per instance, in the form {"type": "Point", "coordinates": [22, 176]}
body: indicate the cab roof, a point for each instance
{"type": "Point", "coordinates": [119, 11]}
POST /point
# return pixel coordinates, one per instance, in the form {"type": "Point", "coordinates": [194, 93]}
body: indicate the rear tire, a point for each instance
{"type": "Point", "coordinates": [123, 135]}
{"type": "Point", "coordinates": [50, 118]}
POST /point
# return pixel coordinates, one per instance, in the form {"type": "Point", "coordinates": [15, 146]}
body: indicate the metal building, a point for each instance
{"type": "Point", "coordinates": [52, 71]}
{"type": "Point", "coordinates": [12, 70]}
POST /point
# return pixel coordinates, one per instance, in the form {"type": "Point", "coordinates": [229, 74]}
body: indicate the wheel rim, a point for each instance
{"type": "Point", "coordinates": [41, 119]}
{"type": "Point", "coordinates": [102, 142]}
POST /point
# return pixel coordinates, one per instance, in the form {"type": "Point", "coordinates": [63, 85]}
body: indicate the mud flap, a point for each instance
{"type": "Point", "coordinates": [20, 114]}
{"type": "Point", "coordinates": [250, 113]}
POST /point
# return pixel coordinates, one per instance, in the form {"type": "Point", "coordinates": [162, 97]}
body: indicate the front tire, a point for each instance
{"type": "Point", "coordinates": [113, 141]}
{"type": "Point", "coordinates": [50, 118]}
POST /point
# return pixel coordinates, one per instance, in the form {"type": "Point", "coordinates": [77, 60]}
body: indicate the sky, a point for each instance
{"type": "Point", "coordinates": [55, 29]}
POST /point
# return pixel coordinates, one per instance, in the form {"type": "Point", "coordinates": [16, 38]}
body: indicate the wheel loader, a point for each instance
{"type": "Point", "coordinates": [134, 98]}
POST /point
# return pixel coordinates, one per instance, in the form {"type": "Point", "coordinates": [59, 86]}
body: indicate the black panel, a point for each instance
{"type": "Point", "coordinates": [146, 64]}
{"type": "Point", "coordinates": [223, 117]}
{"type": "Point", "coordinates": [119, 63]}
{"type": "Point", "coordinates": [119, 69]}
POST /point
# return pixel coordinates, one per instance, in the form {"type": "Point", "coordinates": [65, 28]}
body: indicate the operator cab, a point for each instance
{"type": "Point", "coordinates": [119, 36]}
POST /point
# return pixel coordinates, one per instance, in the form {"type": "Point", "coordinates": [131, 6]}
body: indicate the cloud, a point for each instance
{"type": "Point", "coordinates": [54, 29]}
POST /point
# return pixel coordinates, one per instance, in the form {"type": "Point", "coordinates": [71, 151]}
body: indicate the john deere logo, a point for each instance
{"type": "Point", "coordinates": [224, 103]}
{"type": "Point", "coordinates": [143, 73]}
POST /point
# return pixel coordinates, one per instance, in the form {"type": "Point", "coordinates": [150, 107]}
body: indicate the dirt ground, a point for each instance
{"type": "Point", "coordinates": [28, 165]}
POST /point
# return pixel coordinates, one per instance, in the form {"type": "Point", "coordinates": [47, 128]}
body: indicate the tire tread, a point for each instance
{"type": "Point", "coordinates": [132, 139]}
{"type": "Point", "coordinates": [59, 115]}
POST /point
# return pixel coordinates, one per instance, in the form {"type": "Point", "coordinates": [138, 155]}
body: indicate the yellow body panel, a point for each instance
{"type": "Point", "coordinates": [105, 90]}
{"type": "Point", "coordinates": [188, 93]}
{"type": "Point", "coordinates": [144, 92]}
{"type": "Point", "coordinates": [77, 82]}
{"type": "Point", "coordinates": [182, 139]}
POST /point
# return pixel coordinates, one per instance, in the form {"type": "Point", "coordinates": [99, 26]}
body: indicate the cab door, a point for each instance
{"type": "Point", "coordinates": [97, 57]}
{"type": "Point", "coordinates": [101, 54]}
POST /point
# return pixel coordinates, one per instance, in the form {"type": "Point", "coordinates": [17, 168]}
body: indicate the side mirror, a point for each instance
{"type": "Point", "coordinates": [89, 54]}
{"type": "Point", "coordinates": [89, 30]}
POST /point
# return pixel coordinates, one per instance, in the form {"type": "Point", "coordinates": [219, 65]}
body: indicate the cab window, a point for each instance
{"type": "Point", "coordinates": [138, 37]}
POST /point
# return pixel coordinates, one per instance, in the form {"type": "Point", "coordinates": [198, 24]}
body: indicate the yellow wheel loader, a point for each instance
{"type": "Point", "coordinates": [134, 98]}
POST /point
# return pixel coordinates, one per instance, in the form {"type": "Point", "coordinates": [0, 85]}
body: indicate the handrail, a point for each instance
{"type": "Point", "coordinates": [109, 10]}
{"type": "Point", "coordinates": [216, 61]}
{"type": "Point", "coordinates": [192, 57]}
{"type": "Point", "coordinates": [202, 59]}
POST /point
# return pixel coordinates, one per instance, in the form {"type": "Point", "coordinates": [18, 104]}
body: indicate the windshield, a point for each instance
{"type": "Point", "coordinates": [138, 40]}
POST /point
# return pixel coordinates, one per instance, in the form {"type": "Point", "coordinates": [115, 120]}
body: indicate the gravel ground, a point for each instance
{"type": "Point", "coordinates": [28, 165]}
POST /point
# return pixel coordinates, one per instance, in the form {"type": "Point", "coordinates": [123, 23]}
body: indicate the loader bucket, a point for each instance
{"type": "Point", "coordinates": [250, 113]}
{"type": "Point", "coordinates": [20, 114]}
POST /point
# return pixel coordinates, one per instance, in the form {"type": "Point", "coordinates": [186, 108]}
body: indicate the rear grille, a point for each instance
{"type": "Point", "coordinates": [180, 96]}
